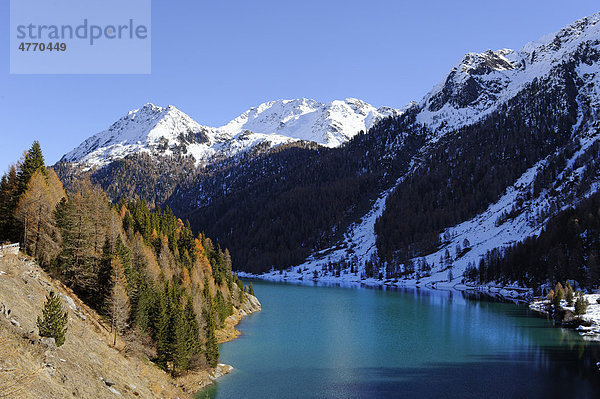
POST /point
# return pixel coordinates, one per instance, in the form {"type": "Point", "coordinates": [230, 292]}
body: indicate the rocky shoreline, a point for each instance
{"type": "Point", "coordinates": [195, 381]}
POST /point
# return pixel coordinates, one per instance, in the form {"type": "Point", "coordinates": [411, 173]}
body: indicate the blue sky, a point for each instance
{"type": "Point", "coordinates": [213, 60]}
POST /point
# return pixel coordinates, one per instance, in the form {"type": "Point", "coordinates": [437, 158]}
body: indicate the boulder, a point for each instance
{"type": "Point", "coordinates": [49, 342]}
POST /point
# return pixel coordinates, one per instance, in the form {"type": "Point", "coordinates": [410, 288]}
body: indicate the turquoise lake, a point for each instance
{"type": "Point", "coordinates": [333, 342]}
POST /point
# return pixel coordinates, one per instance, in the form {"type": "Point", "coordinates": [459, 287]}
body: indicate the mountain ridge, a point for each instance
{"type": "Point", "coordinates": [165, 131]}
{"type": "Point", "coordinates": [500, 122]}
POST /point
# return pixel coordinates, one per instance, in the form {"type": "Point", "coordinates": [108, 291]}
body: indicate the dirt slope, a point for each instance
{"type": "Point", "coordinates": [86, 366]}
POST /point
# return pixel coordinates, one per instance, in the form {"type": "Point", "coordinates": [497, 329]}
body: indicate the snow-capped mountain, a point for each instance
{"type": "Point", "coordinates": [477, 86]}
{"type": "Point", "coordinates": [167, 131]}
{"type": "Point", "coordinates": [494, 151]}
{"type": "Point", "coordinates": [329, 124]}
{"type": "Point", "coordinates": [163, 131]}
{"type": "Point", "coordinates": [482, 82]}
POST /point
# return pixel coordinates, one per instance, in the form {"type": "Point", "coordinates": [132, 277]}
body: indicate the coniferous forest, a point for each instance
{"type": "Point", "coordinates": [140, 268]}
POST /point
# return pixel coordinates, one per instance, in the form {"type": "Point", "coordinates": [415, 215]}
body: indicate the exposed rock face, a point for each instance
{"type": "Point", "coordinates": [251, 305]}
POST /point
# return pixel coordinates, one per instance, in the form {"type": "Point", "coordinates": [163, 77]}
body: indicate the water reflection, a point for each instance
{"type": "Point", "coordinates": [401, 342]}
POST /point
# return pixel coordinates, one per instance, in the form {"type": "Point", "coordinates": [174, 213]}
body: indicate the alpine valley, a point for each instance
{"type": "Point", "coordinates": [492, 177]}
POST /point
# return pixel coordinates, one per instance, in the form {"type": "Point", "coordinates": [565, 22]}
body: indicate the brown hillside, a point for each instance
{"type": "Point", "coordinates": [86, 366]}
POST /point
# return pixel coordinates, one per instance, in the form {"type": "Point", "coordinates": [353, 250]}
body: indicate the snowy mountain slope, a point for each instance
{"type": "Point", "coordinates": [476, 87]}
{"type": "Point", "coordinates": [168, 131]}
{"type": "Point", "coordinates": [504, 223]}
{"type": "Point", "coordinates": [163, 131]}
{"type": "Point", "coordinates": [480, 83]}
{"type": "Point", "coordinates": [330, 124]}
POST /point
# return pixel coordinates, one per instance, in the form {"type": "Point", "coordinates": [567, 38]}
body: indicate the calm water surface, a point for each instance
{"type": "Point", "coordinates": [331, 342]}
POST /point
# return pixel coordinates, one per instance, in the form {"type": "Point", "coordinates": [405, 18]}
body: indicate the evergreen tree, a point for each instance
{"type": "Point", "coordinates": [119, 301]}
{"type": "Point", "coordinates": [187, 337]}
{"type": "Point", "coordinates": [581, 304]}
{"type": "Point", "coordinates": [35, 210]}
{"type": "Point", "coordinates": [569, 294]}
{"type": "Point", "coordinates": [34, 161]}
{"type": "Point", "coordinates": [53, 322]}
{"type": "Point", "coordinates": [145, 311]}
{"type": "Point", "coordinates": [164, 335]}
{"type": "Point", "coordinates": [558, 296]}
{"type": "Point", "coordinates": [9, 187]}
{"type": "Point", "coordinates": [251, 289]}
{"type": "Point", "coordinates": [212, 346]}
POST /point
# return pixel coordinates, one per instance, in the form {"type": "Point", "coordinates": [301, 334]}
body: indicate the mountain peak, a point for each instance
{"type": "Point", "coordinates": [329, 124]}
{"type": "Point", "coordinates": [565, 40]}
{"type": "Point", "coordinates": [480, 82]}
{"type": "Point", "coordinates": [150, 128]}
{"type": "Point", "coordinates": [168, 131]}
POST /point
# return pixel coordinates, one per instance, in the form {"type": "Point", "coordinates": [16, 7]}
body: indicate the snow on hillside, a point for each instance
{"type": "Point", "coordinates": [480, 83]}
{"type": "Point", "coordinates": [473, 89]}
{"type": "Point", "coordinates": [163, 131]}
{"type": "Point", "coordinates": [330, 124]}
{"type": "Point", "coordinates": [167, 131]}
{"type": "Point", "coordinates": [484, 232]}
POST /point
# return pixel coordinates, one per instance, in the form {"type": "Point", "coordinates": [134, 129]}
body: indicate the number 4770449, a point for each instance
{"type": "Point", "coordinates": [43, 46]}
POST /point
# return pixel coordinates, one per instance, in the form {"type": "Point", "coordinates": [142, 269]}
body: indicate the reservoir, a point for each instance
{"type": "Point", "coordinates": [340, 342]}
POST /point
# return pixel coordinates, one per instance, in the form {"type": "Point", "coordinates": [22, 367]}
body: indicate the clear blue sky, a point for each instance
{"type": "Point", "coordinates": [215, 59]}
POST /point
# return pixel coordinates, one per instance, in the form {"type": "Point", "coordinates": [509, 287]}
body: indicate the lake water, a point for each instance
{"type": "Point", "coordinates": [331, 342]}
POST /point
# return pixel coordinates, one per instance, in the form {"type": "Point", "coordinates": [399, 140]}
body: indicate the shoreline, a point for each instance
{"type": "Point", "coordinates": [511, 293]}
{"type": "Point", "coordinates": [195, 381]}
{"type": "Point", "coordinates": [591, 316]}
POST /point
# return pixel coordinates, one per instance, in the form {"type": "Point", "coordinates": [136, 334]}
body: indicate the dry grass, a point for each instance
{"type": "Point", "coordinates": [76, 369]}
{"type": "Point", "coordinates": [29, 369]}
{"type": "Point", "coordinates": [14, 380]}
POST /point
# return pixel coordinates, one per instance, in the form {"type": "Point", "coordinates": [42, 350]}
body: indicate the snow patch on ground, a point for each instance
{"type": "Point", "coordinates": [591, 315]}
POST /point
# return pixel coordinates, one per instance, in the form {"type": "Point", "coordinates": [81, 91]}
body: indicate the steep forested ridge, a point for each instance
{"type": "Point", "coordinates": [567, 249]}
{"type": "Point", "coordinates": [143, 269]}
{"type": "Point", "coordinates": [468, 169]}
{"type": "Point", "coordinates": [275, 209]}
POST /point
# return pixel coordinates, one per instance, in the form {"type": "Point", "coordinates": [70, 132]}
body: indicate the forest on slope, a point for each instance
{"type": "Point", "coordinates": [270, 208]}
{"type": "Point", "coordinates": [143, 270]}
{"type": "Point", "coordinates": [470, 168]}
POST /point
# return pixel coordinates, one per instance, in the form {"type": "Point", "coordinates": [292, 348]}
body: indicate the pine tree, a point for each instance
{"type": "Point", "coordinates": [53, 322]}
{"type": "Point", "coordinates": [569, 294]}
{"type": "Point", "coordinates": [187, 336]}
{"type": "Point", "coordinates": [119, 301]}
{"type": "Point", "coordinates": [558, 295]}
{"type": "Point", "coordinates": [9, 186]}
{"type": "Point", "coordinates": [581, 304]}
{"type": "Point", "coordinates": [251, 290]}
{"type": "Point", "coordinates": [164, 335]}
{"type": "Point", "coordinates": [35, 212]}
{"type": "Point", "coordinates": [212, 347]}
{"type": "Point", "coordinates": [145, 311]}
{"type": "Point", "coordinates": [34, 161]}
